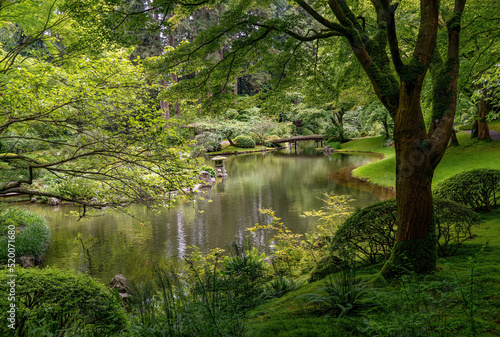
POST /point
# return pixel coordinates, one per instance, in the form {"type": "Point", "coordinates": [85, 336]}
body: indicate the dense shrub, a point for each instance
{"type": "Point", "coordinates": [244, 142]}
{"type": "Point", "coordinates": [58, 303]}
{"type": "Point", "coordinates": [372, 230]}
{"type": "Point", "coordinates": [213, 146]}
{"type": "Point", "coordinates": [270, 138]}
{"type": "Point", "coordinates": [334, 134]}
{"type": "Point", "coordinates": [307, 132]}
{"type": "Point", "coordinates": [478, 189]}
{"type": "Point", "coordinates": [30, 230]}
{"type": "Point", "coordinates": [453, 224]}
{"type": "Point", "coordinates": [209, 169]}
{"type": "Point", "coordinates": [255, 137]}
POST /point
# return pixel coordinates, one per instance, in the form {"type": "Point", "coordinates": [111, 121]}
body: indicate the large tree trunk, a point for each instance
{"type": "Point", "coordinates": [415, 248]}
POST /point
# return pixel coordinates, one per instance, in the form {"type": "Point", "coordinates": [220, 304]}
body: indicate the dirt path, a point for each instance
{"type": "Point", "coordinates": [493, 134]}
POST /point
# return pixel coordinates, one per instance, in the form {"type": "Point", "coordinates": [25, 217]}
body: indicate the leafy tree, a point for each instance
{"type": "Point", "coordinates": [479, 51]}
{"type": "Point", "coordinates": [114, 149]}
{"type": "Point", "coordinates": [80, 128]}
{"type": "Point", "coordinates": [395, 62]}
{"type": "Point", "coordinates": [226, 128]}
{"type": "Point", "coordinates": [396, 57]}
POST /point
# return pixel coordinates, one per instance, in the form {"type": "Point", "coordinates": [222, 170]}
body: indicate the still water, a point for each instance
{"type": "Point", "coordinates": [290, 184]}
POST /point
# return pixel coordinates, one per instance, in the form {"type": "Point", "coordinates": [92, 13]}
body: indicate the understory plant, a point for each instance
{"type": "Point", "coordinates": [208, 296]}
{"type": "Point", "coordinates": [29, 231]}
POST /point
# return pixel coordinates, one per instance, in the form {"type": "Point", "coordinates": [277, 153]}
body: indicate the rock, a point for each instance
{"type": "Point", "coordinates": [27, 261]}
{"type": "Point", "coordinates": [120, 283]}
{"type": "Point", "coordinates": [53, 202]}
{"type": "Point", "coordinates": [263, 149]}
{"type": "Point", "coordinates": [206, 179]}
{"type": "Point", "coordinates": [328, 149]}
{"type": "Point", "coordinates": [33, 199]}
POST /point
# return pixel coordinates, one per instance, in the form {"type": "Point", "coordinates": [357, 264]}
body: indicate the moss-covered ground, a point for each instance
{"type": "Point", "coordinates": [461, 298]}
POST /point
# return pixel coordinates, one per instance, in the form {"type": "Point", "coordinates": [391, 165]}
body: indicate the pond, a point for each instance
{"type": "Point", "coordinates": [288, 183]}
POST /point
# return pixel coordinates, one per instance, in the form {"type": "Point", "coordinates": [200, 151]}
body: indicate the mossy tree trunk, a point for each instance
{"type": "Point", "coordinates": [398, 85]}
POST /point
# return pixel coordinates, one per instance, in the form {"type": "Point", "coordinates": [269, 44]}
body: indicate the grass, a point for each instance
{"type": "Point", "coordinates": [461, 298]}
{"type": "Point", "coordinates": [27, 231]}
{"type": "Point", "coordinates": [470, 154]}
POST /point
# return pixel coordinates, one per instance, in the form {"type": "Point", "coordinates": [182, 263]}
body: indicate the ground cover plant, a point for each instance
{"type": "Point", "coordinates": [28, 231]}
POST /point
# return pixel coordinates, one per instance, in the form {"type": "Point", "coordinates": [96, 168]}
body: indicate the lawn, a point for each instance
{"type": "Point", "coordinates": [470, 154]}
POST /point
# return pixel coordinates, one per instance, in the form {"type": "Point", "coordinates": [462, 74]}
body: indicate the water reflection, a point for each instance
{"type": "Point", "coordinates": [287, 183]}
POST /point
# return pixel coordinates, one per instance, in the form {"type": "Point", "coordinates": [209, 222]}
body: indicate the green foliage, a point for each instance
{"type": "Point", "coordinates": [372, 230]}
{"type": "Point", "coordinates": [478, 189]}
{"type": "Point", "coordinates": [290, 254]}
{"type": "Point", "coordinates": [210, 297]}
{"type": "Point", "coordinates": [256, 139]}
{"type": "Point", "coordinates": [244, 142]}
{"type": "Point", "coordinates": [209, 169]}
{"type": "Point", "coordinates": [279, 287]}
{"type": "Point", "coordinates": [51, 301]}
{"type": "Point", "coordinates": [335, 145]}
{"type": "Point", "coordinates": [270, 138]}
{"type": "Point", "coordinates": [29, 231]}
{"type": "Point", "coordinates": [341, 294]}
{"type": "Point", "coordinates": [454, 224]}
{"type": "Point", "coordinates": [104, 139]}
{"type": "Point", "coordinates": [334, 134]}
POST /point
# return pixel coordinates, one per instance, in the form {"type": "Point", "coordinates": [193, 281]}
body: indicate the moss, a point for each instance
{"type": "Point", "coordinates": [424, 144]}
{"type": "Point", "coordinates": [328, 265]}
{"type": "Point", "coordinates": [412, 70]}
{"type": "Point", "coordinates": [418, 255]}
{"type": "Point", "coordinates": [454, 22]}
{"type": "Point", "coordinates": [421, 125]}
{"type": "Point", "coordinates": [387, 84]}
{"type": "Point", "coordinates": [442, 95]}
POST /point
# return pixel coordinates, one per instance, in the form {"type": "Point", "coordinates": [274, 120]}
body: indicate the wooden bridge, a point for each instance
{"type": "Point", "coordinates": [294, 140]}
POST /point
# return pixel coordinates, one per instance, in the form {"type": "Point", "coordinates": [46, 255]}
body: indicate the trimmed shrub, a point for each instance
{"type": "Point", "coordinates": [244, 142]}
{"type": "Point", "coordinates": [209, 169]}
{"type": "Point", "coordinates": [453, 224]}
{"type": "Point", "coordinates": [478, 189]}
{"type": "Point", "coordinates": [256, 138]}
{"type": "Point", "coordinates": [213, 146]}
{"type": "Point", "coordinates": [30, 230]}
{"type": "Point", "coordinates": [57, 302]}
{"type": "Point", "coordinates": [270, 138]}
{"type": "Point", "coordinates": [372, 230]}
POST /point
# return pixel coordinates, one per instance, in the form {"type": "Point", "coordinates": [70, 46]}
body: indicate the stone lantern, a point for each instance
{"type": "Point", "coordinates": [220, 170]}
